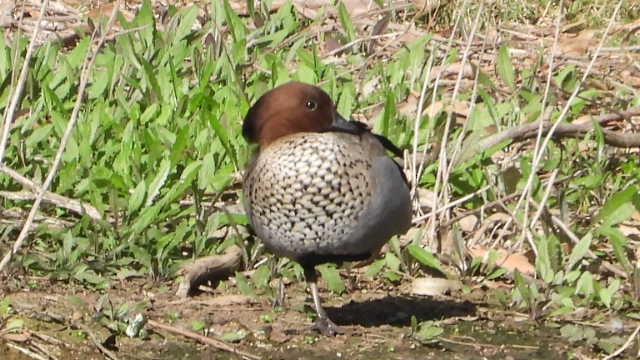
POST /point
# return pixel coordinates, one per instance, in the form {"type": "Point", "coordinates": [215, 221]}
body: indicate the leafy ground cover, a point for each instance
{"type": "Point", "coordinates": [519, 123]}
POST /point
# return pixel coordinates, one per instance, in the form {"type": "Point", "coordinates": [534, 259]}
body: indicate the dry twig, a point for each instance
{"type": "Point", "coordinates": [26, 351]}
{"type": "Point", "coordinates": [563, 130]}
{"type": "Point", "coordinates": [58, 200]}
{"type": "Point", "coordinates": [625, 345]}
{"type": "Point", "coordinates": [211, 267]}
{"type": "Point", "coordinates": [107, 353]}
{"type": "Point", "coordinates": [203, 339]}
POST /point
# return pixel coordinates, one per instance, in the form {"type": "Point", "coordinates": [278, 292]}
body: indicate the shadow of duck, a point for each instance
{"type": "Point", "coordinates": [398, 310]}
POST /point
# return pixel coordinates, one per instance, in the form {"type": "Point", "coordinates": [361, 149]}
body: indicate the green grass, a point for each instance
{"type": "Point", "coordinates": [158, 151]}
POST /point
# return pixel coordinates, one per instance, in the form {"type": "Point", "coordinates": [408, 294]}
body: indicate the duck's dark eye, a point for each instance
{"type": "Point", "coordinates": [311, 105]}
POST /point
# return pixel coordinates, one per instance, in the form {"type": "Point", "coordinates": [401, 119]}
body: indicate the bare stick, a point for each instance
{"type": "Point", "coordinates": [432, 228]}
{"type": "Point", "coordinates": [209, 268]}
{"type": "Point", "coordinates": [26, 351]}
{"type": "Point", "coordinates": [8, 116]}
{"type": "Point", "coordinates": [107, 353]}
{"type": "Point", "coordinates": [203, 339]}
{"type": "Point", "coordinates": [84, 78]}
{"type": "Point", "coordinates": [545, 110]}
{"type": "Point", "coordinates": [55, 199]}
{"type": "Point", "coordinates": [454, 203]}
{"type": "Point", "coordinates": [545, 196]}
{"type": "Point", "coordinates": [625, 346]}
{"type": "Point", "coordinates": [415, 176]}
{"type": "Point", "coordinates": [443, 169]}
{"type": "Point", "coordinates": [58, 200]}
{"type": "Point", "coordinates": [528, 131]}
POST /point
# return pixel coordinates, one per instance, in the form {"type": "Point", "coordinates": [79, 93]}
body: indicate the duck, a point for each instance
{"type": "Point", "coordinates": [320, 188]}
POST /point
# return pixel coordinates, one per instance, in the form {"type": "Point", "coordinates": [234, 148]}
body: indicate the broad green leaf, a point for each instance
{"type": "Point", "coordinates": [238, 30]}
{"type": "Point", "coordinates": [347, 99]}
{"type": "Point", "coordinates": [243, 285]}
{"type": "Point", "coordinates": [187, 19]}
{"type": "Point", "coordinates": [505, 67]}
{"type": "Point", "coordinates": [428, 332]}
{"type": "Point", "coordinates": [99, 83]}
{"type": "Point", "coordinates": [141, 255]}
{"type": "Point", "coordinates": [261, 276]}
{"type": "Point", "coordinates": [158, 181]}
{"type": "Point", "coordinates": [383, 124]}
{"type": "Point", "coordinates": [374, 268]}
{"type": "Point", "coordinates": [186, 177]}
{"type": "Point", "coordinates": [198, 325]}
{"type": "Point", "coordinates": [579, 251]}
{"type": "Point", "coordinates": [544, 260]}
{"type": "Point", "coordinates": [572, 332]}
{"type": "Point", "coordinates": [611, 344]}
{"type": "Point", "coordinates": [5, 303]}
{"type": "Point", "coordinates": [392, 261]}
{"type": "Point", "coordinates": [207, 171]}
{"type": "Point", "coordinates": [345, 21]}
{"type": "Point", "coordinates": [424, 257]}
{"type": "Point", "coordinates": [79, 52]}
{"type": "Point", "coordinates": [152, 79]}
{"type": "Point", "coordinates": [146, 217]}
{"type": "Point", "coordinates": [606, 294]}
{"type": "Point", "coordinates": [306, 74]}
{"type": "Point", "coordinates": [234, 336]}
{"type": "Point", "coordinates": [150, 114]}
{"type": "Point", "coordinates": [331, 275]}
{"type": "Point", "coordinates": [619, 242]}
{"type": "Point", "coordinates": [584, 286]}
{"type": "Point", "coordinates": [522, 288]}
{"type": "Point", "coordinates": [618, 208]}
{"type": "Point", "coordinates": [38, 135]}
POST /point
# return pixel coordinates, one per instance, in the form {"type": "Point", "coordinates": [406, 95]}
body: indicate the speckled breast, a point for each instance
{"type": "Point", "coordinates": [304, 192]}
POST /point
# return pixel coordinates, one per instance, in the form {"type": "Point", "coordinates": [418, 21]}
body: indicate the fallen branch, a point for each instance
{"type": "Point", "coordinates": [476, 345]}
{"type": "Point", "coordinates": [26, 351]}
{"type": "Point", "coordinates": [203, 339]}
{"type": "Point", "coordinates": [530, 130]}
{"type": "Point", "coordinates": [563, 130]}
{"type": "Point", "coordinates": [107, 353]}
{"type": "Point", "coordinates": [209, 268]}
{"type": "Point", "coordinates": [58, 200]}
{"type": "Point", "coordinates": [625, 346]}
{"type": "Point", "coordinates": [15, 217]}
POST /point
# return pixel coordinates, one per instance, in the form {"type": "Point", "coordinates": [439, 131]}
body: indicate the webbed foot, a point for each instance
{"type": "Point", "coordinates": [326, 327]}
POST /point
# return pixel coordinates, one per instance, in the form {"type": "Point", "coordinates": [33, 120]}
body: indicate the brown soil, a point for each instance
{"type": "Point", "coordinates": [376, 321]}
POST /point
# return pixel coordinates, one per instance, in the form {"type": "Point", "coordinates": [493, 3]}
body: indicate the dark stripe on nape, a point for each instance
{"type": "Point", "coordinates": [358, 128]}
{"type": "Point", "coordinates": [389, 145]}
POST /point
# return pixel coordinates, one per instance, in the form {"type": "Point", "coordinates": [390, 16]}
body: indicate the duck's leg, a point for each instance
{"type": "Point", "coordinates": [323, 324]}
{"type": "Point", "coordinates": [280, 296]}
{"type": "Point", "coordinates": [279, 299]}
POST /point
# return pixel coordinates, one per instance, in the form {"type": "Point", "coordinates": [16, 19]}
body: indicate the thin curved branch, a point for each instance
{"type": "Point", "coordinates": [562, 130]}
{"type": "Point", "coordinates": [64, 202]}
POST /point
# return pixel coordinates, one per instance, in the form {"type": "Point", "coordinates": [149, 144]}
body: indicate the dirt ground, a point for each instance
{"type": "Point", "coordinates": [71, 322]}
